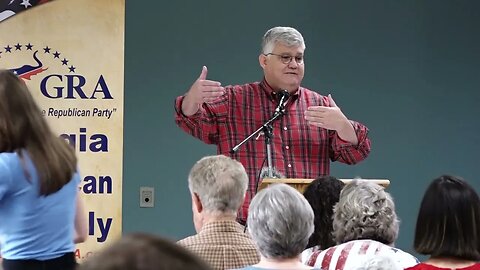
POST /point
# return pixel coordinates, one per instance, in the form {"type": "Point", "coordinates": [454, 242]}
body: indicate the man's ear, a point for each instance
{"type": "Point", "coordinates": [197, 203]}
{"type": "Point", "coordinates": [262, 60]}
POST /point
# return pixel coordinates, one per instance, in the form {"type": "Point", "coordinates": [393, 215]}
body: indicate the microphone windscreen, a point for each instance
{"type": "Point", "coordinates": [285, 93]}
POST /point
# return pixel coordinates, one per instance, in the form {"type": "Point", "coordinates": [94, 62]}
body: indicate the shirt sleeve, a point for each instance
{"type": "Point", "coordinates": [5, 179]}
{"type": "Point", "coordinates": [204, 124]}
{"type": "Point", "coordinates": [346, 152]}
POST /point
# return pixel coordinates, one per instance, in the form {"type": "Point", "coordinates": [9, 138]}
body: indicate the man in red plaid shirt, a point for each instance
{"type": "Point", "coordinates": [313, 131]}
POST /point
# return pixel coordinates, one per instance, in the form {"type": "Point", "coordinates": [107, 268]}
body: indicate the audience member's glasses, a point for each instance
{"type": "Point", "coordinates": [286, 58]}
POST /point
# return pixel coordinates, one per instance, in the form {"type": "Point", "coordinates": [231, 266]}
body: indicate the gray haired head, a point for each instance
{"type": "Point", "coordinates": [365, 211]}
{"type": "Point", "coordinates": [280, 221]}
{"type": "Point", "coordinates": [220, 182]}
{"type": "Point", "coordinates": [286, 36]}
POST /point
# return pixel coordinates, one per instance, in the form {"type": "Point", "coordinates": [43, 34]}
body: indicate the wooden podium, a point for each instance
{"type": "Point", "coordinates": [301, 184]}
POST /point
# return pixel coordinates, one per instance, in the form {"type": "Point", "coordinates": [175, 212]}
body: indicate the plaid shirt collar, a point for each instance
{"type": "Point", "coordinates": [221, 226]}
{"type": "Point", "coordinates": [272, 93]}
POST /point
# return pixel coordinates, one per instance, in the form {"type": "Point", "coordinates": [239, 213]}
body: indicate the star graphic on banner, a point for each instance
{"type": "Point", "coordinates": [18, 47]}
{"type": "Point", "coordinates": [26, 3]}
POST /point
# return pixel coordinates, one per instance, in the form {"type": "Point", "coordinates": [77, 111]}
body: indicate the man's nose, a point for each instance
{"type": "Point", "coordinates": [293, 63]}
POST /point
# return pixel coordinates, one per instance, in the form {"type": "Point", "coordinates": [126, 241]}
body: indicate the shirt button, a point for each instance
{"type": "Point", "coordinates": [289, 165]}
{"type": "Point", "coordinates": [287, 147]}
{"type": "Point", "coordinates": [285, 128]}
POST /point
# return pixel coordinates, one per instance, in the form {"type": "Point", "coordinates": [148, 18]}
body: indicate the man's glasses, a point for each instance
{"type": "Point", "coordinates": [286, 58]}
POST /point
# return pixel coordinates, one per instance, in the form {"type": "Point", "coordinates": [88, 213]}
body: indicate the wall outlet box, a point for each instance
{"type": "Point", "coordinates": [147, 197]}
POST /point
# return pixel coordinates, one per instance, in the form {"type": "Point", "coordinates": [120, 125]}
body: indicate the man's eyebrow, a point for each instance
{"type": "Point", "coordinates": [288, 54]}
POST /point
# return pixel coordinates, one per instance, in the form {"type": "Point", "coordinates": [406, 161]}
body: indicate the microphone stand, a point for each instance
{"type": "Point", "coordinates": [267, 129]}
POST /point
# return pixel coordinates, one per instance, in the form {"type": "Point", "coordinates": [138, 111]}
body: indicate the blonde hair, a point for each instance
{"type": "Point", "coordinates": [365, 211]}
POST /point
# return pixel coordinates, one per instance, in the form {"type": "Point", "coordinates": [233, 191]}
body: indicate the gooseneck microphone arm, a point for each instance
{"type": "Point", "coordinates": [267, 129]}
{"type": "Point", "coordinates": [266, 125]}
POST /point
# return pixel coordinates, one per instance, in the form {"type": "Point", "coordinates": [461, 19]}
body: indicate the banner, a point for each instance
{"type": "Point", "coordinates": [70, 53]}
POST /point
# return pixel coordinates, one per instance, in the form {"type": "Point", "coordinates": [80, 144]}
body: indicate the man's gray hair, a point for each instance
{"type": "Point", "coordinates": [286, 36]}
{"type": "Point", "coordinates": [220, 182]}
{"type": "Point", "coordinates": [280, 221]}
{"type": "Point", "coordinates": [365, 211]}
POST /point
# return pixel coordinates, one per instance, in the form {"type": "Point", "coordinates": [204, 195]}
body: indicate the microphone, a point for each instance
{"type": "Point", "coordinates": [275, 173]}
{"type": "Point", "coordinates": [284, 95]}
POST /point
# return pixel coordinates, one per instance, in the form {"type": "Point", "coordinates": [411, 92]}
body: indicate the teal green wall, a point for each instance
{"type": "Point", "coordinates": [409, 70]}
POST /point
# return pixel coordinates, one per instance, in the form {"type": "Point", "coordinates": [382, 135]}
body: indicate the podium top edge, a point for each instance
{"type": "Point", "coordinates": [382, 182]}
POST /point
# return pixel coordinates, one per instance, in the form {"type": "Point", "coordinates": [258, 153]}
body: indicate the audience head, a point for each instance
{"type": "Point", "coordinates": [322, 194]}
{"type": "Point", "coordinates": [23, 128]}
{"type": "Point", "coordinates": [143, 252]}
{"type": "Point", "coordinates": [448, 223]}
{"type": "Point", "coordinates": [365, 211]}
{"type": "Point", "coordinates": [280, 222]}
{"type": "Point", "coordinates": [217, 185]}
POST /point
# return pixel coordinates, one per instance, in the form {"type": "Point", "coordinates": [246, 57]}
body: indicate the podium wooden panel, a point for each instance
{"type": "Point", "coordinates": [301, 184]}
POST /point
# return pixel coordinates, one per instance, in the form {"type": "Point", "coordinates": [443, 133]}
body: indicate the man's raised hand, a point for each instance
{"type": "Point", "coordinates": [202, 90]}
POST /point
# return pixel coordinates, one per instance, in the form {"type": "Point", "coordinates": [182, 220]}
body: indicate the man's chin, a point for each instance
{"type": "Point", "coordinates": [292, 86]}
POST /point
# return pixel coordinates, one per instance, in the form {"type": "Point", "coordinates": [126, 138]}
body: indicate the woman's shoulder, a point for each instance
{"type": "Point", "coordinates": [354, 253]}
{"type": "Point", "coordinates": [8, 156]}
{"type": "Point", "coordinates": [8, 160]}
{"type": "Point", "coordinates": [309, 255]}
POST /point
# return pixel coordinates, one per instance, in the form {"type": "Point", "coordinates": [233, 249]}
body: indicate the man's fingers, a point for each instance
{"type": "Point", "coordinates": [212, 93]}
{"type": "Point", "coordinates": [317, 124]}
{"type": "Point", "coordinates": [316, 114]}
{"type": "Point", "coordinates": [210, 83]}
{"type": "Point", "coordinates": [317, 109]}
{"type": "Point", "coordinates": [215, 93]}
{"type": "Point", "coordinates": [315, 118]}
{"type": "Point", "coordinates": [213, 89]}
{"type": "Point", "coordinates": [209, 99]}
{"type": "Point", "coordinates": [332, 102]}
{"type": "Point", "coordinates": [321, 125]}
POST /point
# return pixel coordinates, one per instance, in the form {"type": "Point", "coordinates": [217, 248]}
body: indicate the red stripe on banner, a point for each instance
{"type": "Point", "coordinates": [328, 257]}
{"type": "Point", "coordinates": [344, 256]}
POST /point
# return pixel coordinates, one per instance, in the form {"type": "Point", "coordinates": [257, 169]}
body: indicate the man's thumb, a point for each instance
{"type": "Point", "coordinates": [203, 75]}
